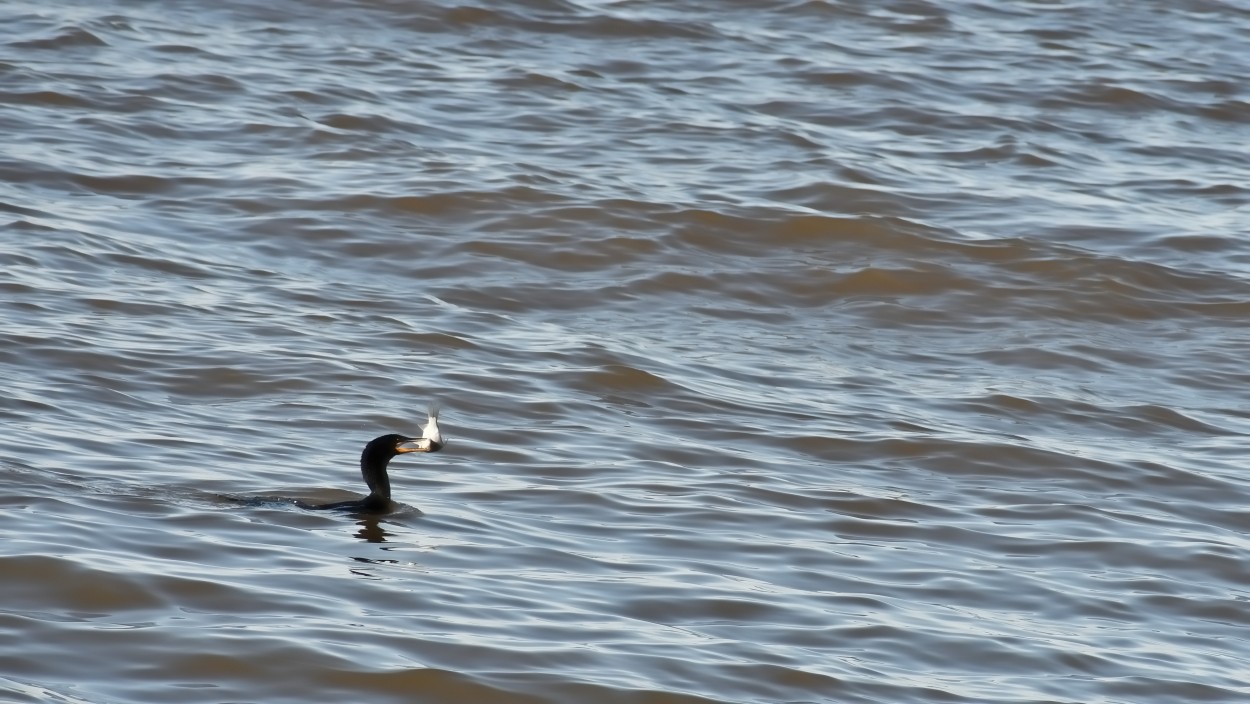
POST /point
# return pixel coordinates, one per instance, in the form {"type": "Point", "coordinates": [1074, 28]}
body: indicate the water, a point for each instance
{"type": "Point", "coordinates": [789, 351]}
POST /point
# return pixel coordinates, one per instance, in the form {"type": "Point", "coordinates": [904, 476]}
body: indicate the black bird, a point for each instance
{"type": "Point", "coordinates": [373, 461]}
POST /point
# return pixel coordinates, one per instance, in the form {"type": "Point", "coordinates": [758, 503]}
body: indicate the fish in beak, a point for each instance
{"type": "Point", "coordinates": [431, 439]}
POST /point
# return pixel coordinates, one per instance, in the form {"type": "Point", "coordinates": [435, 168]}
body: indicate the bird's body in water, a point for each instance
{"type": "Point", "coordinates": [377, 454]}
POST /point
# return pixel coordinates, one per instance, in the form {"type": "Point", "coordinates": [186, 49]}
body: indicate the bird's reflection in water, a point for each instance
{"type": "Point", "coordinates": [371, 530]}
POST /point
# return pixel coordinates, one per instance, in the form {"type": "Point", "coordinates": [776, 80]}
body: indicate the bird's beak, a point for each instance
{"type": "Point", "coordinates": [418, 445]}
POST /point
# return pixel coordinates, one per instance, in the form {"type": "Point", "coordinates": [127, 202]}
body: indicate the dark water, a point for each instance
{"type": "Point", "coordinates": [790, 351]}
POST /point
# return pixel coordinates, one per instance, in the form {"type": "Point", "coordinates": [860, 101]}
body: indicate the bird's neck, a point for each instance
{"type": "Point", "coordinates": [373, 469]}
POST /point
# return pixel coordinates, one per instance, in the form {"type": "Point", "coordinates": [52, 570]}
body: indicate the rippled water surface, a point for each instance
{"type": "Point", "coordinates": [789, 351]}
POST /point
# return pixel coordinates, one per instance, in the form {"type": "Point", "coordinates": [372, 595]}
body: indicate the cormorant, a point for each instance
{"type": "Point", "coordinates": [373, 463]}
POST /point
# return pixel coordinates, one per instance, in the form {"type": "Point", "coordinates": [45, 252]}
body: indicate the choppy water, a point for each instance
{"type": "Point", "coordinates": [790, 351]}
